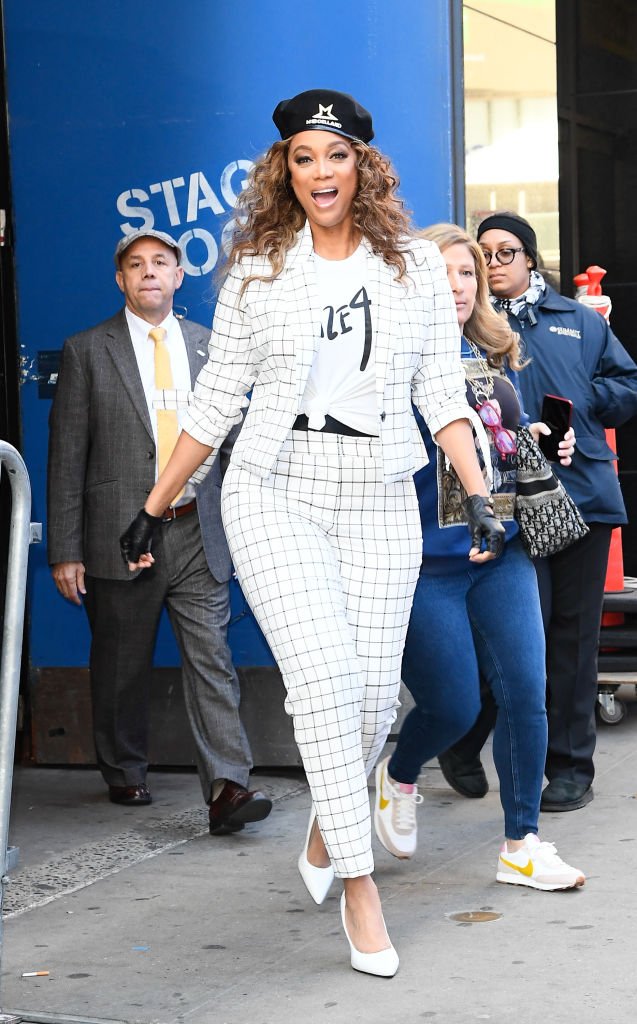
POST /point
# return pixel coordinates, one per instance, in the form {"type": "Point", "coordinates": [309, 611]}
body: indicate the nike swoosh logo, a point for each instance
{"type": "Point", "coordinates": [526, 870]}
{"type": "Point", "coordinates": [382, 802]}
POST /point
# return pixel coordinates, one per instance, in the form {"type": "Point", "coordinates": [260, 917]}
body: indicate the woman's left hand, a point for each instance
{"type": "Point", "coordinates": [483, 527]}
{"type": "Point", "coordinates": [566, 446]}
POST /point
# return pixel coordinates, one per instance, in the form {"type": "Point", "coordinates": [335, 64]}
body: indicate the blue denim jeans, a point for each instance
{"type": "Point", "coordinates": [485, 620]}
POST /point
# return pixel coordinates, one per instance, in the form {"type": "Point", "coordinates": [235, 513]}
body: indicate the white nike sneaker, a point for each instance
{"type": "Point", "coordinates": [537, 865]}
{"type": "Point", "coordinates": [395, 814]}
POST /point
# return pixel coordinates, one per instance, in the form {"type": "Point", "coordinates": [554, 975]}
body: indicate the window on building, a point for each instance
{"type": "Point", "coordinates": [511, 115]}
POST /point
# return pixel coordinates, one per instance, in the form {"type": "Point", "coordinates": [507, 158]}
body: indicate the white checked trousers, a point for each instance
{"type": "Point", "coordinates": [328, 557]}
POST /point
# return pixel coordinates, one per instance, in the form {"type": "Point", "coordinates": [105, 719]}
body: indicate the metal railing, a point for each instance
{"type": "Point", "coordinates": [19, 539]}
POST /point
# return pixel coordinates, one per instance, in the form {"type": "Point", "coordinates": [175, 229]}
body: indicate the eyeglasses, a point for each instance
{"type": "Point", "coordinates": [503, 439]}
{"type": "Point", "coordinates": [503, 256]}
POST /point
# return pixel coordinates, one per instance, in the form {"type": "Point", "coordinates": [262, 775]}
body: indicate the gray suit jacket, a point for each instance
{"type": "Point", "coordinates": [102, 452]}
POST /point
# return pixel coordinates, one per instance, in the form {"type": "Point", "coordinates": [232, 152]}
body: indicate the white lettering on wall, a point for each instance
{"type": "Point", "coordinates": [226, 235]}
{"type": "Point", "coordinates": [227, 191]}
{"type": "Point", "coordinates": [134, 211]}
{"type": "Point", "coordinates": [199, 187]}
{"type": "Point", "coordinates": [212, 253]}
{"type": "Point", "coordinates": [168, 188]}
{"type": "Point", "coordinates": [187, 201]}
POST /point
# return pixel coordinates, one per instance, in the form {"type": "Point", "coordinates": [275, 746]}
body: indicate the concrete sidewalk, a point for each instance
{"type": "Point", "coordinates": [139, 916]}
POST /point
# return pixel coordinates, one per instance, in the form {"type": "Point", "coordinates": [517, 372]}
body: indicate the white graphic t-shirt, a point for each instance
{"type": "Point", "coordinates": [342, 380]}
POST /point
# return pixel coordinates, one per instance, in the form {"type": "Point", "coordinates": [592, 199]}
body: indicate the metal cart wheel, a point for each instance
{"type": "Point", "coordinates": [610, 709]}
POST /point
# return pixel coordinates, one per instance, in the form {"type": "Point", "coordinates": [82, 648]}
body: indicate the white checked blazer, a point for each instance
{"type": "Point", "coordinates": [265, 341]}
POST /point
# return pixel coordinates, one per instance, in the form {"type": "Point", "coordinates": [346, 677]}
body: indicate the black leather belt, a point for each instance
{"type": "Point", "coordinates": [175, 511]}
{"type": "Point", "coordinates": [332, 426]}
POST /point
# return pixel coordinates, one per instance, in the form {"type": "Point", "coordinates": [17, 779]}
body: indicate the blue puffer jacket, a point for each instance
{"type": "Point", "coordinates": [575, 354]}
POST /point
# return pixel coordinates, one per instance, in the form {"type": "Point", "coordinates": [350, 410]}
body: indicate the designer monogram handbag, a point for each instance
{"type": "Point", "coordinates": [524, 486]}
{"type": "Point", "coordinates": [548, 518]}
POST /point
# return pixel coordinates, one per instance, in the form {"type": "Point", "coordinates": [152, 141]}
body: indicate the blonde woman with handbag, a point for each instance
{"type": "Point", "coordinates": [469, 621]}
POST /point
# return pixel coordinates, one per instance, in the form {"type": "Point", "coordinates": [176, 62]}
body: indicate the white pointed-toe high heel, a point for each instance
{"type": "Point", "coordinates": [317, 880]}
{"type": "Point", "coordinates": [384, 963]}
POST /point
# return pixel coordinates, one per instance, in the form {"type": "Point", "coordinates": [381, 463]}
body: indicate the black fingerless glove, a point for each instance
{"type": "Point", "coordinates": [483, 525]}
{"type": "Point", "coordinates": [137, 540]}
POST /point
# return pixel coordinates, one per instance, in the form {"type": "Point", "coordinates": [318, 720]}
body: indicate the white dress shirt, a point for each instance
{"type": "Point", "coordinates": [144, 348]}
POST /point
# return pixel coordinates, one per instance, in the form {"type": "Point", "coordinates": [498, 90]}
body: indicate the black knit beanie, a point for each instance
{"type": "Point", "coordinates": [518, 226]}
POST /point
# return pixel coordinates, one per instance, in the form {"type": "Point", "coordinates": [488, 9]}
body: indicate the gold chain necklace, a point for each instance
{"type": "Point", "coordinates": [482, 388]}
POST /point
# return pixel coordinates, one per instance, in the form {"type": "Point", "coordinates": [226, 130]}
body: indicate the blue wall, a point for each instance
{"type": "Point", "coordinates": [129, 114]}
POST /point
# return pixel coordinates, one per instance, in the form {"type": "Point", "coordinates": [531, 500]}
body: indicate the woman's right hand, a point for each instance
{"type": "Point", "coordinates": [136, 542]}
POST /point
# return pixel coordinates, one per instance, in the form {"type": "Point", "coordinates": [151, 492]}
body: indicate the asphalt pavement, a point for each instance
{"type": "Point", "coordinates": [138, 916]}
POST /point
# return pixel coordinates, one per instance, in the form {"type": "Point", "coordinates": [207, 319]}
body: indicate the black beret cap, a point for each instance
{"type": "Point", "coordinates": [326, 110]}
{"type": "Point", "coordinates": [506, 220]}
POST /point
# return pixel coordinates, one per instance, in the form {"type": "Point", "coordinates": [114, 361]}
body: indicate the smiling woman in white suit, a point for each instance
{"type": "Point", "coordinates": [335, 316]}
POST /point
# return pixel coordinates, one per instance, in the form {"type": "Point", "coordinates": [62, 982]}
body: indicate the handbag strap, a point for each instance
{"type": "Point", "coordinates": [534, 474]}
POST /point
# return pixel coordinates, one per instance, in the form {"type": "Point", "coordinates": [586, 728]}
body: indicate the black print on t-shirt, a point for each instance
{"type": "Point", "coordinates": [360, 301]}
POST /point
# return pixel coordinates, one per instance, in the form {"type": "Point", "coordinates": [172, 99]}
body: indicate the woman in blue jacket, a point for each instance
{"type": "Point", "coordinates": [467, 621]}
{"type": "Point", "coordinates": [573, 353]}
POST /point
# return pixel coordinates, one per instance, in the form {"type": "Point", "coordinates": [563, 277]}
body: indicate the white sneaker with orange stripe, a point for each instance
{"type": "Point", "coordinates": [395, 813]}
{"type": "Point", "coordinates": [537, 865]}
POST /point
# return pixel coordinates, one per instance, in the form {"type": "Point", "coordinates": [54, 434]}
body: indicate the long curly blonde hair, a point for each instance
{"type": "Point", "coordinates": [485, 328]}
{"type": "Point", "coordinates": [269, 216]}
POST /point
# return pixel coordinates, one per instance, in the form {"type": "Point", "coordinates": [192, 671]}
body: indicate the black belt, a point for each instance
{"type": "Point", "coordinates": [175, 511]}
{"type": "Point", "coordinates": [332, 426]}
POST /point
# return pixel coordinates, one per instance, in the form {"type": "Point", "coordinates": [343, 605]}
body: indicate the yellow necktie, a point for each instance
{"type": "Point", "coordinates": [167, 421]}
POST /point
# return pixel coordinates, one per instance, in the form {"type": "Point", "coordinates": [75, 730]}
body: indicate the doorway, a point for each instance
{"type": "Point", "coordinates": [596, 95]}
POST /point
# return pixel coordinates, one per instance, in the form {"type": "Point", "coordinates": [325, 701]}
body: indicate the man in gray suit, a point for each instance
{"type": "Point", "coordinates": [106, 443]}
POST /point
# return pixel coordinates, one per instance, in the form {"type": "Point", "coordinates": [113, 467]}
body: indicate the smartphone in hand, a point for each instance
{"type": "Point", "coordinates": [557, 413]}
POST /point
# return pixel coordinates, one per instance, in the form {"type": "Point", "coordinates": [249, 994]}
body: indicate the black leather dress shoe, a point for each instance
{"type": "Point", "coordinates": [466, 777]}
{"type": "Point", "coordinates": [234, 807]}
{"type": "Point", "coordinates": [566, 795]}
{"type": "Point", "coordinates": [130, 796]}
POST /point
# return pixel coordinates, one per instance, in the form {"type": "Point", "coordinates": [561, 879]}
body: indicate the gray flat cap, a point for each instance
{"type": "Point", "coordinates": [127, 240]}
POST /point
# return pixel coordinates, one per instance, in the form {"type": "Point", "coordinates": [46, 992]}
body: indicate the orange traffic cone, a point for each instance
{"type": "Point", "coordinates": [615, 570]}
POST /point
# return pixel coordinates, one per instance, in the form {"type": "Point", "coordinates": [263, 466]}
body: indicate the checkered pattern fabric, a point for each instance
{"type": "Point", "coordinates": [324, 530]}
{"type": "Point", "coordinates": [328, 556]}
{"type": "Point", "coordinates": [266, 340]}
